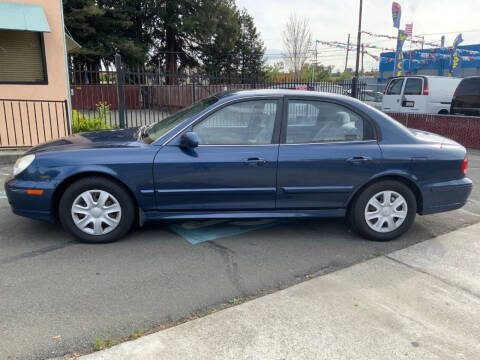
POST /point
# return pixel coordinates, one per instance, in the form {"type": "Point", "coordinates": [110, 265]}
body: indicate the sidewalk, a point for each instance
{"type": "Point", "coordinates": [422, 302]}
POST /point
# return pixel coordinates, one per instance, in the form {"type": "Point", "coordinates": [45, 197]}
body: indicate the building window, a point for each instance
{"type": "Point", "coordinates": [22, 57]}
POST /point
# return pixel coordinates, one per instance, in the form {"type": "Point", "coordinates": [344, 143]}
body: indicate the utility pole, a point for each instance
{"type": "Point", "coordinates": [363, 53]}
{"type": "Point", "coordinates": [423, 41]}
{"type": "Point", "coordinates": [348, 49]}
{"type": "Point", "coordinates": [316, 59]}
{"type": "Point", "coordinates": [357, 63]}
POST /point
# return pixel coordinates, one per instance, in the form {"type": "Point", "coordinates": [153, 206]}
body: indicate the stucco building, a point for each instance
{"type": "Point", "coordinates": [34, 88]}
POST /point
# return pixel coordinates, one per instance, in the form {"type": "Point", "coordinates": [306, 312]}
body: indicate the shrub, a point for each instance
{"type": "Point", "coordinates": [100, 122]}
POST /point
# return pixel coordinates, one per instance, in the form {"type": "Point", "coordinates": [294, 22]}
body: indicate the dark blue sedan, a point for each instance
{"type": "Point", "coordinates": [246, 154]}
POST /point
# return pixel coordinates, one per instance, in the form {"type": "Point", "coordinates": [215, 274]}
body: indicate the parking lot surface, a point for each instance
{"type": "Point", "coordinates": [57, 296]}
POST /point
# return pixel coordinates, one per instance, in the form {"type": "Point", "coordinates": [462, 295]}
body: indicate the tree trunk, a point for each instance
{"type": "Point", "coordinates": [171, 58]}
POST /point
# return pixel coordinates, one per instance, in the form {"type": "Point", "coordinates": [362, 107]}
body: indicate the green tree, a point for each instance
{"type": "Point", "coordinates": [346, 75]}
{"type": "Point", "coordinates": [178, 29]}
{"type": "Point", "coordinates": [249, 47]}
{"type": "Point", "coordinates": [175, 35]}
{"type": "Point", "coordinates": [275, 72]}
{"type": "Point", "coordinates": [317, 73]}
{"type": "Point", "coordinates": [236, 51]}
{"type": "Point", "coordinates": [106, 27]}
{"type": "Point", "coordinates": [218, 53]}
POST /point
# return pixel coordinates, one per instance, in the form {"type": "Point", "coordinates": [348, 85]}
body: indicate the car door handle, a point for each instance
{"type": "Point", "coordinates": [359, 159]}
{"type": "Point", "coordinates": [255, 161]}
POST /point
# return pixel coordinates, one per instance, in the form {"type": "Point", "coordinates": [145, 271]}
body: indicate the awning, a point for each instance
{"type": "Point", "coordinates": [71, 43]}
{"type": "Point", "coordinates": [23, 17]}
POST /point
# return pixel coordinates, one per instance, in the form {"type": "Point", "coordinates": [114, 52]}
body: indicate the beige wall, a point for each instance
{"type": "Point", "coordinates": [56, 89]}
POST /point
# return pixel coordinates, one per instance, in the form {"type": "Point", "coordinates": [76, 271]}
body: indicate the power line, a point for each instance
{"type": "Point", "coordinates": [450, 32]}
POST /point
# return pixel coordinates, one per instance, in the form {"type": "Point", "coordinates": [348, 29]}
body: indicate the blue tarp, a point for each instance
{"type": "Point", "coordinates": [207, 230]}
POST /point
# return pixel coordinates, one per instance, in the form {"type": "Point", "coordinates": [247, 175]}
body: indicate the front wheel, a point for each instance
{"type": "Point", "coordinates": [383, 211]}
{"type": "Point", "coordinates": [96, 210]}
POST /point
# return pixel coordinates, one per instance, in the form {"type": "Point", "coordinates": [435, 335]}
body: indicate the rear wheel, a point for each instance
{"type": "Point", "coordinates": [96, 210]}
{"type": "Point", "coordinates": [383, 211]}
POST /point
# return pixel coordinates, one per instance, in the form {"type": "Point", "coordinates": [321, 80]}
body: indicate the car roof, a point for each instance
{"type": "Point", "coordinates": [471, 78]}
{"type": "Point", "coordinates": [278, 92]}
{"type": "Point", "coordinates": [424, 76]}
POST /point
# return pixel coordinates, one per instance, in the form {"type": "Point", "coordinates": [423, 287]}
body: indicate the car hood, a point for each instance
{"type": "Point", "coordinates": [92, 140]}
{"type": "Point", "coordinates": [429, 137]}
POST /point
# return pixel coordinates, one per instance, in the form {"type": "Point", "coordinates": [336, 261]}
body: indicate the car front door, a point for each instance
{"type": "Point", "coordinates": [392, 100]}
{"type": "Point", "coordinates": [326, 151]}
{"type": "Point", "coordinates": [234, 166]}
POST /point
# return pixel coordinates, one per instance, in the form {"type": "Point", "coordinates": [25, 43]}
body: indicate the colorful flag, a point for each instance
{"type": "Point", "coordinates": [398, 67]}
{"type": "Point", "coordinates": [396, 14]}
{"type": "Point", "coordinates": [409, 29]}
{"type": "Point", "coordinates": [454, 58]}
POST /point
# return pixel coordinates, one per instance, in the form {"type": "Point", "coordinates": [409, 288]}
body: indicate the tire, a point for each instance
{"type": "Point", "coordinates": [386, 223]}
{"type": "Point", "coordinates": [102, 208]}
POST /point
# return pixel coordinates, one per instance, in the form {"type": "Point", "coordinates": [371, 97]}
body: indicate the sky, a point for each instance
{"type": "Point", "coordinates": [333, 20]}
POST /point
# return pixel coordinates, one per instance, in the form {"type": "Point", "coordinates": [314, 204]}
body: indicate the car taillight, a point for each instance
{"type": "Point", "coordinates": [465, 165]}
{"type": "Point", "coordinates": [425, 87]}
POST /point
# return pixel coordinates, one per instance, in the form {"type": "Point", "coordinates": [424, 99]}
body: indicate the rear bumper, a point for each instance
{"type": "Point", "coordinates": [36, 207]}
{"type": "Point", "coordinates": [445, 196]}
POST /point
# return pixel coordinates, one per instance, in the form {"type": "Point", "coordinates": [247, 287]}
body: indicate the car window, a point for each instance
{"type": "Point", "coordinates": [156, 130]}
{"type": "Point", "coordinates": [395, 87]}
{"type": "Point", "coordinates": [244, 123]}
{"type": "Point", "coordinates": [413, 86]}
{"type": "Point", "coordinates": [319, 122]}
{"type": "Point", "coordinates": [469, 87]}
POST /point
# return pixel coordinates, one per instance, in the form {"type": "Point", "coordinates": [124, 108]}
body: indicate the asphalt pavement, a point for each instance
{"type": "Point", "coordinates": [57, 296]}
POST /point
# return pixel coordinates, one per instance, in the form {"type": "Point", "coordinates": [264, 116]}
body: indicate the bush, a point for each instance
{"type": "Point", "coordinates": [83, 123]}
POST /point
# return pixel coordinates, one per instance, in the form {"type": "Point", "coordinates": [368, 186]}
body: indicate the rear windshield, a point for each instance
{"type": "Point", "coordinates": [395, 87]}
{"type": "Point", "coordinates": [469, 87]}
{"type": "Point", "coordinates": [414, 86]}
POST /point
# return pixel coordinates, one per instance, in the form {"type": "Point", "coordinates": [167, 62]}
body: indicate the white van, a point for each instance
{"type": "Point", "coordinates": [419, 94]}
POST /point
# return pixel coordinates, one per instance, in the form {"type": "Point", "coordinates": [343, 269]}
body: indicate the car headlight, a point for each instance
{"type": "Point", "coordinates": [22, 163]}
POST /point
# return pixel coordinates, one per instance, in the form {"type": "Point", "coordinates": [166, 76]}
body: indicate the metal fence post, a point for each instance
{"type": "Point", "coordinates": [68, 125]}
{"type": "Point", "coordinates": [121, 105]}
{"type": "Point", "coordinates": [406, 122]}
{"type": "Point", "coordinates": [193, 89]}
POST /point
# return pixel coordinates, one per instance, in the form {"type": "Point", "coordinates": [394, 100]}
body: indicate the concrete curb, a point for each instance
{"type": "Point", "coordinates": [9, 157]}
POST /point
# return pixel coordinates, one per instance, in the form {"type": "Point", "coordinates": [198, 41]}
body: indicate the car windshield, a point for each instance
{"type": "Point", "coordinates": [155, 131]}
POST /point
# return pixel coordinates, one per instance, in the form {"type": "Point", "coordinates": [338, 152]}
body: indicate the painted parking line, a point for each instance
{"type": "Point", "coordinates": [2, 195]}
{"type": "Point", "coordinates": [196, 232]}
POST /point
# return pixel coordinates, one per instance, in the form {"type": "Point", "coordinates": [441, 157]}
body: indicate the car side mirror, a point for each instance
{"type": "Point", "coordinates": [189, 140]}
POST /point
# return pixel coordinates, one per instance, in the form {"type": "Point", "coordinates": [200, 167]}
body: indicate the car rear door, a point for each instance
{"type": "Point", "coordinates": [393, 96]}
{"type": "Point", "coordinates": [413, 100]}
{"type": "Point", "coordinates": [327, 150]}
{"type": "Point", "coordinates": [233, 168]}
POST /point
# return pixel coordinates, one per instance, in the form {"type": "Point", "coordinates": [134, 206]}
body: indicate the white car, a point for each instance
{"type": "Point", "coordinates": [372, 98]}
{"type": "Point", "coordinates": [419, 94]}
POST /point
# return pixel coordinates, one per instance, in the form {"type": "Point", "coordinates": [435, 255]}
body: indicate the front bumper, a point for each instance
{"type": "Point", "coordinates": [445, 196]}
{"type": "Point", "coordinates": [38, 207]}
